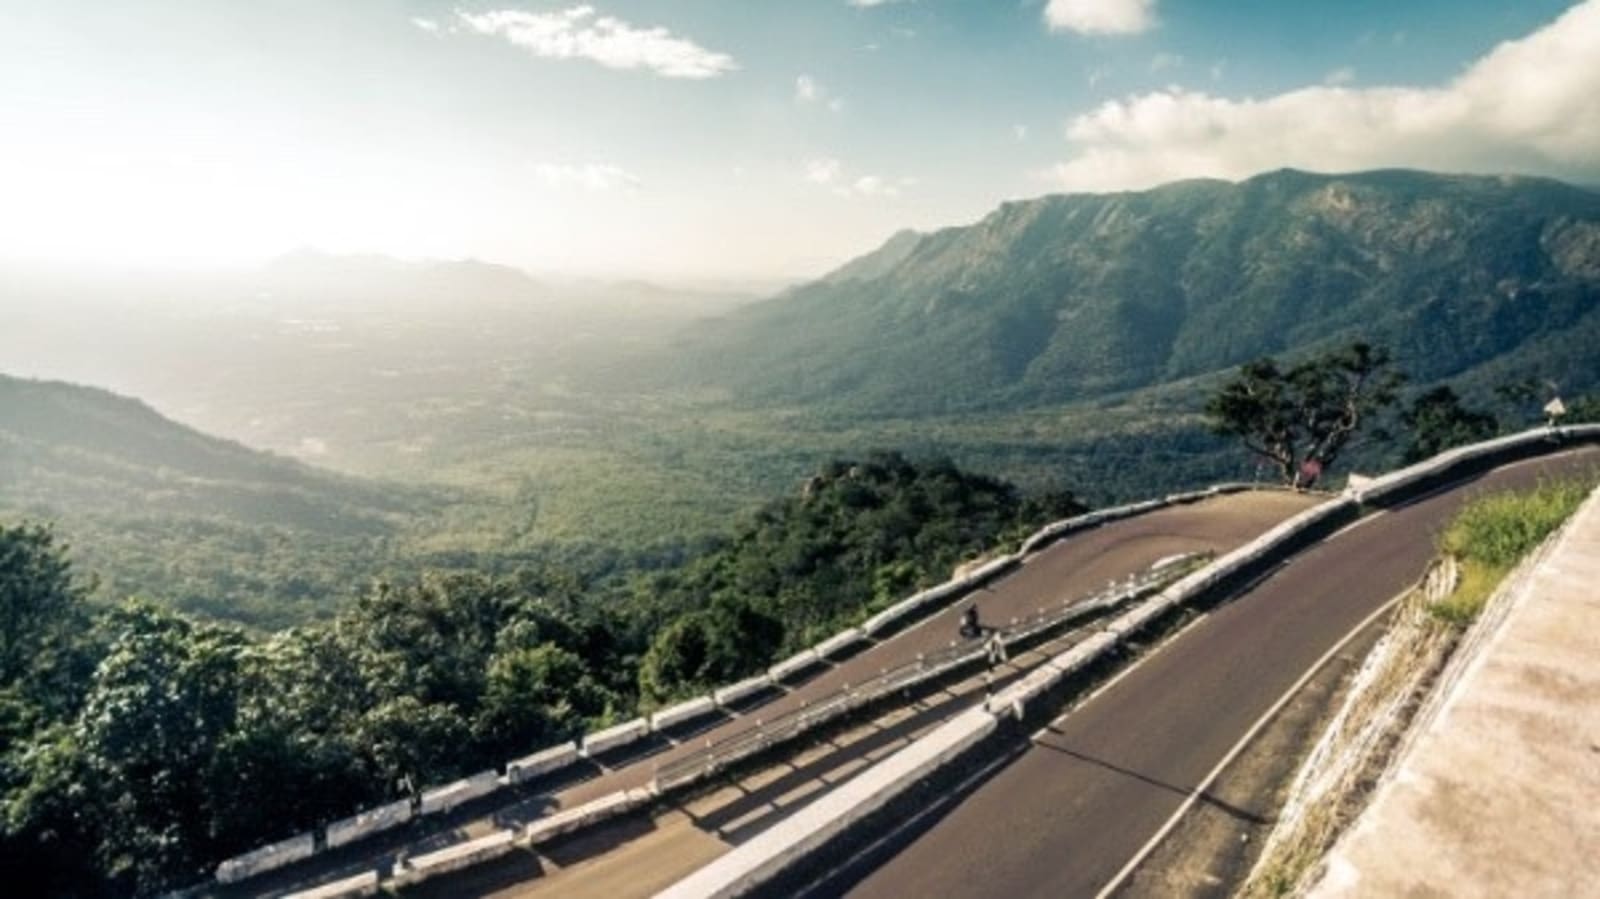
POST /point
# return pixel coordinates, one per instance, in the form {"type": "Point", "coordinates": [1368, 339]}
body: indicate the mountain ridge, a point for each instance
{"type": "Point", "coordinates": [1077, 296]}
{"type": "Point", "coordinates": [158, 508]}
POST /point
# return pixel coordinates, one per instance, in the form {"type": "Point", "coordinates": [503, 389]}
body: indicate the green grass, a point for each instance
{"type": "Point", "coordinates": [1494, 532]}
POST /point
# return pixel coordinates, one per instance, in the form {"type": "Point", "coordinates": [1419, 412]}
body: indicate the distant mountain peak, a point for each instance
{"type": "Point", "coordinates": [880, 261]}
{"type": "Point", "coordinates": [314, 272]}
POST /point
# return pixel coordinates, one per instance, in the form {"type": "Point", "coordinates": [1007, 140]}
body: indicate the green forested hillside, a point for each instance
{"type": "Point", "coordinates": [1068, 298]}
{"type": "Point", "coordinates": [159, 509]}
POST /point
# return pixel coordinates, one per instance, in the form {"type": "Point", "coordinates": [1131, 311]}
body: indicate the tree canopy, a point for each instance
{"type": "Point", "coordinates": [1437, 421]}
{"type": "Point", "coordinates": [1301, 418]}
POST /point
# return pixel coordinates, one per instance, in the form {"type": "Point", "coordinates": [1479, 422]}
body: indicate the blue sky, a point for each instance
{"type": "Point", "coordinates": [727, 138]}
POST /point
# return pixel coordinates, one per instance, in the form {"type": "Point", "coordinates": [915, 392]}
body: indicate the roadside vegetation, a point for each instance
{"type": "Point", "coordinates": [1493, 533]}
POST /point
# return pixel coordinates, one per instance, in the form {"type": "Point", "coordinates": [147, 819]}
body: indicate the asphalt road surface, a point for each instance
{"type": "Point", "coordinates": [1097, 784]}
{"type": "Point", "coordinates": [1075, 566]}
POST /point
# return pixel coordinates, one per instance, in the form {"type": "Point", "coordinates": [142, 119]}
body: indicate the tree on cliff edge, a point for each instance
{"type": "Point", "coordinates": [1301, 418]}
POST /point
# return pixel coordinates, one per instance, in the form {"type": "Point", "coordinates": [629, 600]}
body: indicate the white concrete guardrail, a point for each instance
{"type": "Point", "coordinates": [267, 858]}
{"type": "Point", "coordinates": [682, 713]}
{"type": "Point", "coordinates": [545, 762]}
{"type": "Point", "coordinates": [732, 695]}
{"type": "Point", "coordinates": [1396, 484]}
{"type": "Point", "coordinates": [369, 822]}
{"type": "Point", "coordinates": [454, 858]}
{"type": "Point", "coordinates": [364, 884]}
{"type": "Point", "coordinates": [776, 849]}
{"type": "Point", "coordinates": [624, 734]}
{"type": "Point", "coordinates": [447, 797]}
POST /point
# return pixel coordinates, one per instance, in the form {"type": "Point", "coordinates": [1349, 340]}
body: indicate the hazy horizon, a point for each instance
{"type": "Point", "coordinates": [690, 142]}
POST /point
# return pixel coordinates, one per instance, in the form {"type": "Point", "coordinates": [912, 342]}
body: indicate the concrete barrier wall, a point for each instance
{"type": "Point", "coordinates": [989, 570]}
{"type": "Point", "coordinates": [368, 823]}
{"type": "Point", "coordinates": [1015, 698]}
{"type": "Point", "coordinates": [735, 693]}
{"type": "Point", "coordinates": [447, 797]}
{"type": "Point", "coordinates": [793, 665]}
{"type": "Point", "coordinates": [348, 888]}
{"type": "Point", "coordinates": [267, 858]}
{"type": "Point", "coordinates": [956, 586]}
{"type": "Point", "coordinates": [593, 812]}
{"type": "Point", "coordinates": [1399, 484]}
{"type": "Point", "coordinates": [769, 853]}
{"type": "Point", "coordinates": [463, 855]}
{"type": "Point", "coordinates": [543, 762]}
{"type": "Point", "coordinates": [683, 712]}
{"type": "Point", "coordinates": [844, 640]}
{"type": "Point", "coordinates": [615, 737]}
{"type": "Point", "coordinates": [1096, 518]}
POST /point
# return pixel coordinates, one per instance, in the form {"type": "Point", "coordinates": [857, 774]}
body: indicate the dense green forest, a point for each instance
{"type": "Point", "coordinates": [139, 745]}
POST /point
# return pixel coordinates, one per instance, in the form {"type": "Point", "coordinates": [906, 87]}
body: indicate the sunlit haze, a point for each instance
{"type": "Point", "coordinates": [717, 138]}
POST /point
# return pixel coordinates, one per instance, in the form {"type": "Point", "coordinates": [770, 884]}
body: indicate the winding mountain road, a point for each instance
{"type": "Point", "coordinates": [1096, 785]}
{"type": "Point", "coordinates": [1074, 566]}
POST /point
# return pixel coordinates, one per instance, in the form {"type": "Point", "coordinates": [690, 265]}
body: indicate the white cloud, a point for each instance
{"type": "Point", "coordinates": [427, 25]}
{"type": "Point", "coordinates": [878, 186]}
{"type": "Point", "coordinates": [1019, 132]}
{"type": "Point", "coordinates": [1529, 105]}
{"type": "Point", "coordinates": [830, 173]}
{"type": "Point", "coordinates": [868, 4]}
{"type": "Point", "coordinates": [589, 176]}
{"type": "Point", "coordinates": [1341, 75]}
{"type": "Point", "coordinates": [1100, 16]}
{"type": "Point", "coordinates": [809, 90]}
{"type": "Point", "coordinates": [580, 33]}
{"type": "Point", "coordinates": [822, 171]}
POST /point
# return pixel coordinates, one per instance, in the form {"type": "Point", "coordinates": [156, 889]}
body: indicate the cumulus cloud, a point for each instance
{"type": "Point", "coordinates": [589, 176]}
{"type": "Point", "coordinates": [1100, 16]}
{"type": "Point", "coordinates": [581, 33]}
{"type": "Point", "coordinates": [427, 25]}
{"type": "Point", "coordinates": [1530, 105]}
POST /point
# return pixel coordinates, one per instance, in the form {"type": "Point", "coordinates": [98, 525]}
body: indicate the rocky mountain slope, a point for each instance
{"type": "Point", "coordinates": [1073, 297]}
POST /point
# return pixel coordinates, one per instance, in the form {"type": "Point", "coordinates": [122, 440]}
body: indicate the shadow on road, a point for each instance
{"type": "Point", "coordinates": [1225, 807]}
